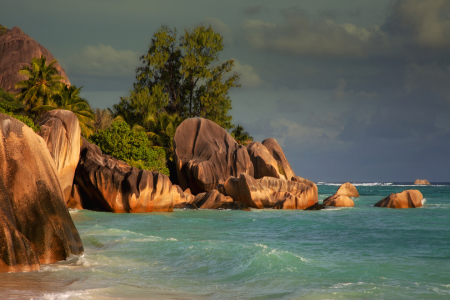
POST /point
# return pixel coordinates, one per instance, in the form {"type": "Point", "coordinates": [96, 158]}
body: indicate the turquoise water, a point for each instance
{"type": "Point", "coordinates": [345, 253]}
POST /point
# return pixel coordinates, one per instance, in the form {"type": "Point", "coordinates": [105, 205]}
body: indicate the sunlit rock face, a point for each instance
{"type": "Point", "coordinates": [277, 153]}
{"type": "Point", "coordinates": [339, 201]}
{"type": "Point", "coordinates": [263, 162]}
{"type": "Point", "coordinates": [35, 224]}
{"type": "Point", "coordinates": [60, 130]}
{"type": "Point", "coordinates": [405, 199]}
{"type": "Point", "coordinates": [16, 51]}
{"type": "Point", "coordinates": [206, 155]}
{"type": "Point", "coordinates": [422, 182]}
{"type": "Point", "coordinates": [107, 184]}
{"type": "Point", "coordinates": [347, 189]}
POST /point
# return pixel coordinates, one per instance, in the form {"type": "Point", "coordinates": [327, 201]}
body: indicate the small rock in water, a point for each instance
{"type": "Point", "coordinates": [316, 206]}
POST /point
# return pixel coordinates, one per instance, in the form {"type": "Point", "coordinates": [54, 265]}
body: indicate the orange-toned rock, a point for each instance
{"type": "Point", "coordinates": [210, 199]}
{"type": "Point", "coordinates": [277, 153]}
{"type": "Point", "coordinates": [206, 155]}
{"type": "Point", "coordinates": [60, 130]}
{"type": "Point", "coordinates": [35, 224]}
{"type": "Point", "coordinates": [17, 50]}
{"type": "Point", "coordinates": [108, 184]}
{"type": "Point", "coordinates": [309, 183]}
{"type": "Point", "coordinates": [405, 199]}
{"type": "Point", "coordinates": [339, 201]}
{"type": "Point", "coordinates": [269, 192]}
{"type": "Point", "coordinates": [347, 189]}
{"type": "Point", "coordinates": [263, 162]}
{"type": "Point", "coordinates": [422, 182]}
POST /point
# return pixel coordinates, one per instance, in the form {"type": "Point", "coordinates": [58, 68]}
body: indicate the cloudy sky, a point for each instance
{"type": "Point", "coordinates": [353, 90]}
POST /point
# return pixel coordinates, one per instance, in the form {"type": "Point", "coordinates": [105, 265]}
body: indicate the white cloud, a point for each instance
{"type": "Point", "coordinates": [249, 78]}
{"type": "Point", "coordinates": [103, 60]}
{"type": "Point", "coordinates": [425, 22]}
{"type": "Point", "coordinates": [299, 35]}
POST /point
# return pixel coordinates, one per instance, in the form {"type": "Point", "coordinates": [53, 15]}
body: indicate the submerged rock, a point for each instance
{"type": "Point", "coordinates": [36, 227]}
{"type": "Point", "coordinates": [347, 189]}
{"type": "Point", "coordinates": [108, 184]}
{"type": "Point", "coordinates": [206, 155]}
{"type": "Point", "coordinates": [316, 206]}
{"type": "Point", "coordinates": [60, 130]}
{"type": "Point", "coordinates": [339, 201]}
{"type": "Point", "coordinates": [422, 182]}
{"type": "Point", "coordinates": [16, 51]}
{"type": "Point", "coordinates": [405, 199]}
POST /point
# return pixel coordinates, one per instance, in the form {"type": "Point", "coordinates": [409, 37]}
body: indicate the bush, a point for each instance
{"type": "Point", "coordinates": [9, 106]}
{"type": "Point", "coordinates": [122, 143]}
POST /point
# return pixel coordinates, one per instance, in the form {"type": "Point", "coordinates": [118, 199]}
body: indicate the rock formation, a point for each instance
{"type": "Point", "coordinates": [347, 189]}
{"type": "Point", "coordinates": [283, 165]}
{"type": "Point", "coordinates": [61, 131]}
{"type": "Point", "coordinates": [107, 184]}
{"type": "Point", "coordinates": [405, 199]}
{"type": "Point", "coordinates": [269, 192]}
{"type": "Point", "coordinates": [206, 155]}
{"type": "Point", "coordinates": [421, 182]}
{"type": "Point", "coordinates": [339, 201]}
{"type": "Point", "coordinates": [263, 162]}
{"type": "Point", "coordinates": [36, 227]}
{"type": "Point", "coordinates": [17, 50]}
{"type": "Point", "coordinates": [211, 199]}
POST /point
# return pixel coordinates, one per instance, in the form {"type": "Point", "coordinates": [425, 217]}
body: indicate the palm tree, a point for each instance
{"type": "Point", "coordinates": [242, 137]}
{"type": "Point", "coordinates": [42, 83]}
{"type": "Point", "coordinates": [68, 98]}
{"type": "Point", "coordinates": [162, 132]}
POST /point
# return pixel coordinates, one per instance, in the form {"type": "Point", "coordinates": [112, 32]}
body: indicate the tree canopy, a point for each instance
{"type": "Point", "coordinates": [184, 76]}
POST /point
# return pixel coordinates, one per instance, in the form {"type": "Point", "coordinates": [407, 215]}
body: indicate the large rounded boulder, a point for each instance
{"type": "Point", "coordinates": [107, 184]}
{"type": "Point", "coordinates": [347, 189]}
{"type": "Point", "coordinates": [16, 51]}
{"type": "Point", "coordinates": [339, 201]}
{"type": "Point", "coordinates": [60, 130]}
{"type": "Point", "coordinates": [422, 182]}
{"type": "Point", "coordinates": [263, 162]}
{"type": "Point", "coordinates": [206, 155]}
{"type": "Point", "coordinates": [35, 224]}
{"type": "Point", "coordinates": [405, 199]}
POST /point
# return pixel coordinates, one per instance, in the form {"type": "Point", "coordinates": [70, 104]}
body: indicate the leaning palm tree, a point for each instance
{"type": "Point", "coordinates": [68, 98]}
{"type": "Point", "coordinates": [242, 137]}
{"type": "Point", "coordinates": [42, 84]}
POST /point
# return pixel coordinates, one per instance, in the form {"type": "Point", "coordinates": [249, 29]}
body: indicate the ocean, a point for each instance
{"type": "Point", "coordinates": [362, 252]}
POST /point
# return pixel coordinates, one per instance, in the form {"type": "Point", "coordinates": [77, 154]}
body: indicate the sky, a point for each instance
{"type": "Point", "coordinates": [353, 90]}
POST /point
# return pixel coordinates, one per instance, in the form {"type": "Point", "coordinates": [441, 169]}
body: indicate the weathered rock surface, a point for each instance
{"type": "Point", "coordinates": [108, 184]}
{"type": "Point", "coordinates": [422, 182]}
{"type": "Point", "coordinates": [269, 192]}
{"type": "Point", "coordinates": [35, 224]}
{"type": "Point", "coordinates": [17, 50]}
{"type": "Point", "coordinates": [347, 189]}
{"type": "Point", "coordinates": [339, 201]}
{"type": "Point", "coordinates": [275, 150]}
{"type": "Point", "coordinates": [263, 162]}
{"type": "Point", "coordinates": [210, 199]}
{"type": "Point", "coordinates": [405, 199]}
{"type": "Point", "coordinates": [206, 155]}
{"type": "Point", "coordinates": [60, 129]}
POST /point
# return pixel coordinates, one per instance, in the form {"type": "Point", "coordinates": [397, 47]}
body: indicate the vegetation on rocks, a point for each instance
{"type": "Point", "coordinates": [131, 146]}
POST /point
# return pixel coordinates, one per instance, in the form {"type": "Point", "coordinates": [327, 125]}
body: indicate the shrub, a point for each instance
{"type": "Point", "coordinates": [9, 106]}
{"type": "Point", "coordinates": [122, 143]}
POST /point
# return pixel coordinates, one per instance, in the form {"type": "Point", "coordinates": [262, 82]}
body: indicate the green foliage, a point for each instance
{"type": "Point", "coordinates": [240, 135]}
{"type": "Point", "coordinates": [68, 98]}
{"type": "Point", "coordinates": [186, 77]}
{"type": "Point", "coordinates": [2, 30]}
{"type": "Point", "coordinates": [42, 83]}
{"type": "Point", "coordinates": [131, 146]}
{"type": "Point", "coordinates": [9, 106]}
